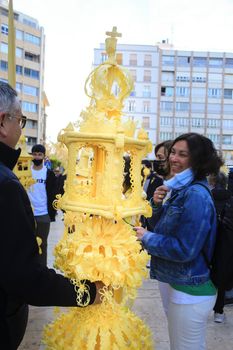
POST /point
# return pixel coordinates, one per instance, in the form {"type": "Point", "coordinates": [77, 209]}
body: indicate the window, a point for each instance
{"type": "Point", "coordinates": [213, 123]}
{"type": "Point", "coordinates": [133, 74]}
{"type": "Point", "coordinates": [32, 57]}
{"type": "Point", "coordinates": [198, 107]}
{"type": "Point", "coordinates": [165, 136]}
{"type": "Point", "coordinates": [199, 61]}
{"type": "Point", "coordinates": [198, 93]}
{"type": "Point", "coordinates": [197, 122]}
{"type": "Point", "coordinates": [228, 109]}
{"type": "Point", "coordinates": [182, 106]}
{"type": "Point", "coordinates": [29, 23]}
{"type": "Point", "coordinates": [4, 12]}
{"type": "Point", "coordinates": [214, 78]}
{"type": "Point", "coordinates": [228, 124]}
{"type": "Point", "coordinates": [31, 124]}
{"type": "Point", "coordinates": [166, 106]}
{"type": "Point", "coordinates": [146, 106]}
{"type": "Point", "coordinates": [4, 29]}
{"type": "Point", "coordinates": [4, 48]}
{"type": "Point", "coordinates": [168, 60]}
{"type": "Point", "coordinates": [214, 108]}
{"type": "Point", "coordinates": [104, 57]}
{"type": "Point", "coordinates": [167, 91]}
{"type": "Point", "coordinates": [214, 93]}
{"type": "Point", "coordinates": [19, 87]}
{"type": "Point", "coordinates": [198, 79]}
{"type": "Point", "coordinates": [229, 62]}
{"type": "Point", "coordinates": [166, 121]}
{"type": "Point", "coordinates": [19, 69]}
{"type": "Point", "coordinates": [133, 59]}
{"type": "Point", "coordinates": [19, 34]}
{"type": "Point", "coordinates": [177, 134]}
{"type": "Point", "coordinates": [147, 61]}
{"type": "Point", "coordinates": [228, 79]}
{"type": "Point", "coordinates": [31, 73]}
{"type": "Point", "coordinates": [146, 91]}
{"type": "Point", "coordinates": [181, 122]}
{"type": "Point", "coordinates": [131, 106]}
{"type": "Point", "coordinates": [182, 91]}
{"type": "Point", "coordinates": [228, 94]}
{"type": "Point", "coordinates": [213, 137]}
{"type": "Point", "coordinates": [182, 78]}
{"type": "Point", "coordinates": [147, 75]}
{"type": "Point", "coordinates": [183, 60]}
{"type": "Point", "coordinates": [30, 90]}
{"type": "Point", "coordinates": [167, 76]}
{"type": "Point", "coordinates": [19, 52]}
{"type": "Point", "coordinates": [4, 65]}
{"type": "Point", "coordinates": [29, 107]}
{"type": "Point", "coordinates": [119, 58]}
{"type": "Point", "coordinates": [31, 141]}
{"type": "Point", "coordinates": [32, 38]}
{"type": "Point", "coordinates": [146, 122]}
{"type": "Point", "coordinates": [215, 62]}
{"type": "Point", "coordinates": [226, 139]}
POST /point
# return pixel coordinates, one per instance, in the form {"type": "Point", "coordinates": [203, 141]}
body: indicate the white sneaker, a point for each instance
{"type": "Point", "coordinates": [219, 318]}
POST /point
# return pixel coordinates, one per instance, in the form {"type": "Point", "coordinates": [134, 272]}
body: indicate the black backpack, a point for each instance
{"type": "Point", "coordinates": [221, 264]}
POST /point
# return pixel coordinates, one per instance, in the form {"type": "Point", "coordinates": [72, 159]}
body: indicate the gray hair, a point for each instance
{"type": "Point", "coordinates": [9, 102]}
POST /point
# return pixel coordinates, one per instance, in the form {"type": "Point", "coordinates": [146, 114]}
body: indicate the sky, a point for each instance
{"type": "Point", "coordinates": [73, 28]}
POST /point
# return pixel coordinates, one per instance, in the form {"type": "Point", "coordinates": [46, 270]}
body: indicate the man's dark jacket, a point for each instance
{"type": "Point", "coordinates": [23, 280]}
{"type": "Point", "coordinates": [154, 182]}
{"type": "Point", "coordinates": [51, 191]}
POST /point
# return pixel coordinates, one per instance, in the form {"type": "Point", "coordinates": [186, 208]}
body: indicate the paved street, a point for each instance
{"type": "Point", "coordinates": [147, 306]}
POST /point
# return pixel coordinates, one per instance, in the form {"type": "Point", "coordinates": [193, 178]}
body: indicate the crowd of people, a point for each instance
{"type": "Point", "coordinates": [188, 194]}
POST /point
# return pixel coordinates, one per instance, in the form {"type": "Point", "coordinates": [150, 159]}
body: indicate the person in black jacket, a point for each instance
{"type": "Point", "coordinates": [42, 194]}
{"type": "Point", "coordinates": [222, 198]}
{"type": "Point", "coordinates": [152, 180]}
{"type": "Point", "coordinates": [23, 279]}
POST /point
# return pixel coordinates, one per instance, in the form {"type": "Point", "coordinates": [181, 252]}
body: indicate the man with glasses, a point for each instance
{"type": "Point", "coordinates": [23, 279]}
{"type": "Point", "coordinates": [21, 119]}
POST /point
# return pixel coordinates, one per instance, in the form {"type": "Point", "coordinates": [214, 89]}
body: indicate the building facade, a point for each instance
{"type": "Point", "coordinates": [179, 91]}
{"type": "Point", "coordinates": [30, 44]}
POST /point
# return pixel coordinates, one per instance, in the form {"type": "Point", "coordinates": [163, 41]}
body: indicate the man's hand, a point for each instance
{"type": "Point", "coordinates": [140, 231]}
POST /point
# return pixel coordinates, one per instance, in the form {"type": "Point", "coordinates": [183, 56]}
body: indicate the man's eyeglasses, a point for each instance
{"type": "Point", "coordinates": [22, 119]}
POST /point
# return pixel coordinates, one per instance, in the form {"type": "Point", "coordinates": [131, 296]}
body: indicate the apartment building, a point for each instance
{"type": "Point", "coordinates": [196, 95]}
{"type": "Point", "coordinates": [179, 91]}
{"type": "Point", "coordinates": [143, 63]}
{"type": "Point", "coordinates": [30, 43]}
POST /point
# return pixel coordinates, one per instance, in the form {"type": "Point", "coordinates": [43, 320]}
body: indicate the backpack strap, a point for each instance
{"type": "Point", "coordinates": [208, 263]}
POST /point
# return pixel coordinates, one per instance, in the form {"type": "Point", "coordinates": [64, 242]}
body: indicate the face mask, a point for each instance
{"type": "Point", "coordinates": [37, 162]}
{"type": "Point", "coordinates": [180, 180]}
{"type": "Point", "coordinates": [159, 167]}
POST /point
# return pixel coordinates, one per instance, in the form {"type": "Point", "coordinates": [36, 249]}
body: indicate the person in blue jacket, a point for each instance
{"type": "Point", "coordinates": [184, 221]}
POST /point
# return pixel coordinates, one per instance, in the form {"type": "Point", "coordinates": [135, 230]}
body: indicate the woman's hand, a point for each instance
{"type": "Point", "coordinates": [140, 231]}
{"type": "Point", "coordinates": [160, 194]}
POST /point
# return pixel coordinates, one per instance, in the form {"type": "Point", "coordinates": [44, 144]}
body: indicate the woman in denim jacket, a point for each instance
{"type": "Point", "coordinates": [184, 222]}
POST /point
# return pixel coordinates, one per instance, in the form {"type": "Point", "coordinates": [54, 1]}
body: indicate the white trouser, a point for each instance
{"type": "Point", "coordinates": [187, 324]}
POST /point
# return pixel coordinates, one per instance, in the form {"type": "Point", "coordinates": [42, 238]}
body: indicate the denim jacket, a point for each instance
{"type": "Point", "coordinates": [183, 226]}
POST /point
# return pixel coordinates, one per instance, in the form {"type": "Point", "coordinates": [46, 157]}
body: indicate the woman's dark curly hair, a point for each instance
{"type": "Point", "coordinates": [204, 158]}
